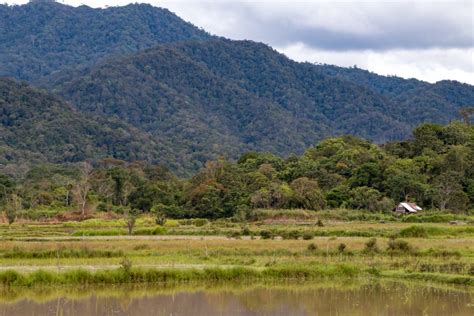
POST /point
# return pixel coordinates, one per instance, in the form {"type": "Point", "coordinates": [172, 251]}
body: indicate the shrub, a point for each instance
{"type": "Point", "coordinates": [126, 264]}
{"type": "Point", "coordinates": [414, 231]}
{"type": "Point", "coordinates": [199, 222]}
{"type": "Point", "coordinates": [246, 231]}
{"type": "Point", "coordinates": [294, 234]}
{"type": "Point", "coordinates": [374, 271]}
{"type": "Point", "coordinates": [308, 235]}
{"type": "Point", "coordinates": [341, 248]}
{"type": "Point", "coordinates": [159, 230]}
{"type": "Point", "coordinates": [397, 245]}
{"type": "Point", "coordinates": [160, 218]}
{"type": "Point", "coordinates": [371, 246]}
{"type": "Point", "coordinates": [234, 234]}
{"type": "Point", "coordinates": [266, 234]}
{"type": "Point", "coordinates": [312, 247]}
{"type": "Point", "coordinates": [320, 223]}
{"type": "Point", "coordinates": [10, 213]}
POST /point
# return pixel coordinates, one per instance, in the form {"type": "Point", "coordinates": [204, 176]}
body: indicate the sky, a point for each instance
{"type": "Point", "coordinates": [428, 40]}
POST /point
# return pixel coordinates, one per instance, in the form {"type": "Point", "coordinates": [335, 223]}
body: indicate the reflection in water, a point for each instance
{"type": "Point", "coordinates": [388, 298]}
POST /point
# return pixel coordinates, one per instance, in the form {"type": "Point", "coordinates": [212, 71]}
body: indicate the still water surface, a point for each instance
{"type": "Point", "coordinates": [389, 298]}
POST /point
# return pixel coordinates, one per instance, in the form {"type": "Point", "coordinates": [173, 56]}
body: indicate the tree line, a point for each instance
{"type": "Point", "coordinates": [435, 169]}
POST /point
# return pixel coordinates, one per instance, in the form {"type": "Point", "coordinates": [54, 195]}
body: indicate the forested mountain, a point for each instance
{"type": "Point", "coordinates": [37, 127]}
{"type": "Point", "coordinates": [41, 37]}
{"type": "Point", "coordinates": [223, 97]}
{"type": "Point", "coordinates": [439, 102]}
{"type": "Point", "coordinates": [190, 97]}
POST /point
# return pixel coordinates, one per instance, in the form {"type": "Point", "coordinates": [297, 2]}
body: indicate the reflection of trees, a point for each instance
{"type": "Point", "coordinates": [323, 298]}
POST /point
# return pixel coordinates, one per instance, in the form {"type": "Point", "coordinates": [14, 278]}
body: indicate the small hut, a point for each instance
{"type": "Point", "coordinates": [407, 208]}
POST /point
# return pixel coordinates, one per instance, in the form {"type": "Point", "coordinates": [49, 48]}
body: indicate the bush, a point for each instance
{"type": "Point", "coordinates": [246, 231]}
{"type": "Point", "coordinates": [308, 235]}
{"type": "Point", "coordinates": [234, 234]}
{"type": "Point", "coordinates": [159, 230]}
{"type": "Point", "coordinates": [397, 245]}
{"type": "Point", "coordinates": [266, 234]}
{"type": "Point", "coordinates": [371, 246]}
{"type": "Point", "coordinates": [293, 234]}
{"type": "Point", "coordinates": [414, 231]}
{"type": "Point", "coordinates": [160, 218]}
{"type": "Point", "coordinates": [341, 248]}
{"type": "Point", "coordinates": [199, 222]}
{"type": "Point", "coordinates": [320, 223]}
{"type": "Point", "coordinates": [312, 247]}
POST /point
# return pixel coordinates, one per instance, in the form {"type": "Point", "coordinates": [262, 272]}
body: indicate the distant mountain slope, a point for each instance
{"type": "Point", "coordinates": [225, 97]}
{"type": "Point", "coordinates": [425, 102]}
{"type": "Point", "coordinates": [43, 36]}
{"type": "Point", "coordinates": [37, 127]}
{"type": "Point", "coordinates": [143, 84]}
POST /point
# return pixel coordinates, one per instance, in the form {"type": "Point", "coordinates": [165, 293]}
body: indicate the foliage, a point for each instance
{"type": "Point", "coordinates": [38, 127]}
{"type": "Point", "coordinates": [343, 172]}
{"type": "Point", "coordinates": [53, 36]}
{"type": "Point", "coordinates": [143, 85]}
{"type": "Point", "coordinates": [304, 105]}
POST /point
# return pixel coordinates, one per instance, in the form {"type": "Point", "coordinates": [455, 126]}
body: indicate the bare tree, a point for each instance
{"type": "Point", "coordinates": [82, 187]}
{"type": "Point", "coordinates": [12, 208]}
{"type": "Point", "coordinates": [446, 184]}
{"type": "Point", "coordinates": [131, 217]}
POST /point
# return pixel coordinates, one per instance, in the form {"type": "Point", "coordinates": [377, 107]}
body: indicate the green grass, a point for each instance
{"type": "Point", "coordinates": [225, 249]}
{"type": "Point", "coordinates": [11, 278]}
{"type": "Point", "coordinates": [431, 231]}
{"type": "Point", "coordinates": [17, 253]}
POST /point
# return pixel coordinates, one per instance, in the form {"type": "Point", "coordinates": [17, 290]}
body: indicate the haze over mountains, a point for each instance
{"type": "Point", "coordinates": [139, 83]}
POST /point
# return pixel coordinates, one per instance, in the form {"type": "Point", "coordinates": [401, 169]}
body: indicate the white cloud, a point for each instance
{"type": "Point", "coordinates": [429, 64]}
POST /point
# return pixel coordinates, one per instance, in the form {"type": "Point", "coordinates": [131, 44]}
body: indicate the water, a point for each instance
{"type": "Point", "coordinates": [389, 298]}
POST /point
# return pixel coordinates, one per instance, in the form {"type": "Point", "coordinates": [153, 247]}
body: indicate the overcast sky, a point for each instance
{"type": "Point", "coordinates": [428, 40]}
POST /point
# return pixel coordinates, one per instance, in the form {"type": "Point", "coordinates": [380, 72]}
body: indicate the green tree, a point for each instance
{"type": "Point", "coordinates": [364, 198]}
{"type": "Point", "coordinates": [307, 194]}
{"type": "Point", "coordinates": [275, 195]}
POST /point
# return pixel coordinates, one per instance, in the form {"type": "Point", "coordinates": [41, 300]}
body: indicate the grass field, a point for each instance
{"type": "Point", "coordinates": [98, 251]}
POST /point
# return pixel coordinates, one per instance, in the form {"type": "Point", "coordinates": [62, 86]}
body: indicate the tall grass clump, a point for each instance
{"type": "Point", "coordinates": [371, 246]}
{"type": "Point", "coordinates": [399, 246]}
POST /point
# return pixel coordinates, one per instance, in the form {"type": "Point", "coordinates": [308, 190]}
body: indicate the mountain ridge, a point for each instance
{"type": "Point", "coordinates": [40, 38]}
{"type": "Point", "coordinates": [186, 97]}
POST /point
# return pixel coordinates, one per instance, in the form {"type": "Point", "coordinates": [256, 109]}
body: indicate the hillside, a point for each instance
{"type": "Point", "coordinates": [439, 102]}
{"type": "Point", "coordinates": [38, 127]}
{"type": "Point", "coordinates": [42, 37]}
{"type": "Point", "coordinates": [223, 97]}
{"type": "Point", "coordinates": [190, 97]}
